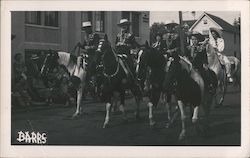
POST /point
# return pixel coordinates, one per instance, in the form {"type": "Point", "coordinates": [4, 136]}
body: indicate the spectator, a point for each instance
{"type": "Point", "coordinates": [33, 76]}
{"type": "Point", "coordinates": [20, 81]}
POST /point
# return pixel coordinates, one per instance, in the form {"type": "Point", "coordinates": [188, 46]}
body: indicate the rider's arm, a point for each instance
{"type": "Point", "coordinates": [117, 41]}
{"type": "Point", "coordinates": [133, 44]}
{"type": "Point", "coordinates": [220, 44]}
{"type": "Point", "coordinates": [96, 42]}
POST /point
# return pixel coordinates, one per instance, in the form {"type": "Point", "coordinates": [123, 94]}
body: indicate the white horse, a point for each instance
{"type": "Point", "coordinates": [76, 67]}
{"type": "Point", "coordinates": [215, 65]}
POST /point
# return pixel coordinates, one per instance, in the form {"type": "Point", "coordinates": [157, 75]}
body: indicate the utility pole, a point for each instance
{"type": "Point", "coordinates": [181, 34]}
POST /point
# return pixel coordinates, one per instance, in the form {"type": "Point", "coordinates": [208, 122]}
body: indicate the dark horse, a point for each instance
{"type": "Point", "coordinates": [190, 90]}
{"type": "Point", "coordinates": [151, 63]}
{"type": "Point", "coordinates": [76, 67]}
{"type": "Point", "coordinates": [116, 79]}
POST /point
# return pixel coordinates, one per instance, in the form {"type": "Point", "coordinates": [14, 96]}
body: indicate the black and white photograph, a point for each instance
{"type": "Point", "coordinates": [126, 78]}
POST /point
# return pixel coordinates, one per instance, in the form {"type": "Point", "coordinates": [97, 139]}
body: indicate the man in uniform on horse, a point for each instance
{"type": "Point", "coordinates": [216, 42]}
{"type": "Point", "coordinates": [196, 53]}
{"type": "Point", "coordinates": [171, 44]}
{"type": "Point", "coordinates": [159, 42]}
{"type": "Point", "coordinates": [91, 41]}
{"type": "Point", "coordinates": [89, 47]}
{"type": "Point", "coordinates": [125, 42]}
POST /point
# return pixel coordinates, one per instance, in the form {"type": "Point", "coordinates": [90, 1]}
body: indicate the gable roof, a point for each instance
{"type": "Point", "coordinates": [222, 23]}
{"type": "Point", "coordinates": [225, 25]}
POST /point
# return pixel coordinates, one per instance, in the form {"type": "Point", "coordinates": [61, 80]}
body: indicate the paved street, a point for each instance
{"type": "Point", "coordinates": [60, 129]}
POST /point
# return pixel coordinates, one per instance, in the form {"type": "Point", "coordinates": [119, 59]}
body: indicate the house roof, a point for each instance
{"type": "Point", "coordinates": [225, 25]}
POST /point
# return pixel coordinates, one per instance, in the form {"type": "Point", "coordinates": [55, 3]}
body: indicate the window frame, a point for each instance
{"type": "Point", "coordinates": [101, 19]}
{"type": "Point", "coordinates": [42, 22]}
{"type": "Point", "coordinates": [28, 17]}
{"type": "Point", "coordinates": [135, 26]}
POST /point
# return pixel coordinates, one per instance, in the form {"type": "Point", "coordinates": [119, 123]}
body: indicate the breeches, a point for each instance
{"type": "Point", "coordinates": [224, 61]}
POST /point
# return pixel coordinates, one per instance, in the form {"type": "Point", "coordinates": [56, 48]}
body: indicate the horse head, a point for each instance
{"type": "Point", "coordinates": [142, 61]}
{"type": "Point", "coordinates": [106, 58]}
{"type": "Point", "coordinates": [50, 62]}
{"type": "Point", "coordinates": [178, 67]}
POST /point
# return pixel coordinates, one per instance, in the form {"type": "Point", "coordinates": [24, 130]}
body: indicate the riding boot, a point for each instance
{"type": "Point", "coordinates": [228, 68]}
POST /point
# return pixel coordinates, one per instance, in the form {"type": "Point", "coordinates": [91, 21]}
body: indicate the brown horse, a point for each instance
{"type": "Point", "coordinates": [190, 90]}
{"type": "Point", "coordinates": [117, 79]}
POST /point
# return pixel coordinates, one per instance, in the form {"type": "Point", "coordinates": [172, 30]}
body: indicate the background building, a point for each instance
{"type": "Point", "coordinates": [39, 31]}
{"type": "Point", "coordinates": [231, 34]}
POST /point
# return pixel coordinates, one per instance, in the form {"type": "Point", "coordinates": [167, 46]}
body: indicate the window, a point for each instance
{"type": "Point", "coordinates": [205, 21]}
{"type": "Point", "coordinates": [33, 17]}
{"type": "Point", "coordinates": [42, 18]}
{"type": "Point", "coordinates": [135, 23]}
{"type": "Point", "coordinates": [86, 16]}
{"type": "Point", "coordinates": [126, 15]}
{"type": "Point", "coordinates": [99, 21]}
{"type": "Point", "coordinates": [51, 19]}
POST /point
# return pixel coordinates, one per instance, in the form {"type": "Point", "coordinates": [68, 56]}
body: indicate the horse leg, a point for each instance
{"type": "Point", "coordinates": [182, 135]}
{"type": "Point", "coordinates": [106, 122]}
{"type": "Point", "coordinates": [137, 112]}
{"type": "Point", "coordinates": [121, 107]}
{"type": "Point", "coordinates": [138, 98]}
{"type": "Point", "coordinates": [115, 102]}
{"type": "Point", "coordinates": [167, 100]}
{"type": "Point", "coordinates": [150, 114]}
{"type": "Point", "coordinates": [195, 114]}
{"type": "Point", "coordinates": [78, 103]}
{"type": "Point", "coordinates": [154, 99]}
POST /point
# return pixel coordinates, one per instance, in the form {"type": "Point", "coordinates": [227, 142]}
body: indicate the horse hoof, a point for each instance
{"type": "Point", "coordinates": [168, 125]}
{"type": "Point", "coordinates": [76, 115]}
{"type": "Point", "coordinates": [218, 106]}
{"type": "Point", "coordinates": [194, 120]}
{"type": "Point", "coordinates": [105, 125]}
{"type": "Point", "coordinates": [182, 137]}
{"type": "Point", "coordinates": [152, 123]}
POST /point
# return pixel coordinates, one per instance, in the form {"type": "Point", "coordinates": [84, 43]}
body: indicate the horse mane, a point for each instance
{"type": "Point", "coordinates": [186, 64]}
{"type": "Point", "coordinates": [64, 58]}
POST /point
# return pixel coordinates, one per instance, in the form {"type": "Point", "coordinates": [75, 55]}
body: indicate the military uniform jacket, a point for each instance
{"type": "Point", "coordinates": [173, 46]}
{"type": "Point", "coordinates": [92, 41]}
{"type": "Point", "coordinates": [126, 42]}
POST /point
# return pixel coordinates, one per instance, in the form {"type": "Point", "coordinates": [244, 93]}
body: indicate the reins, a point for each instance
{"type": "Point", "coordinates": [117, 67]}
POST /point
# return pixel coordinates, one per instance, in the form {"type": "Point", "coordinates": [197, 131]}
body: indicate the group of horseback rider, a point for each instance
{"type": "Point", "coordinates": [125, 42]}
{"type": "Point", "coordinates": [195, 48]}
{"type": "Point", "coordinates": [195, 45]}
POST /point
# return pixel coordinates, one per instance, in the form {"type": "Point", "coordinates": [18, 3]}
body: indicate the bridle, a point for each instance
{"type": "Point", "coordinates": [109, 76]}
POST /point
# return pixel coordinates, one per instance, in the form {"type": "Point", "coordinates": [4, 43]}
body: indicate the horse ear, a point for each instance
{"type": "Point", "coordinates": [146, 44]}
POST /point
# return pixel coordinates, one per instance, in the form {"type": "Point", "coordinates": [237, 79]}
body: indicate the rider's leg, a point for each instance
{"type": "Point", "coordinates": [228, 68]}
{"type": "Point", "coordinates": [224, 60]}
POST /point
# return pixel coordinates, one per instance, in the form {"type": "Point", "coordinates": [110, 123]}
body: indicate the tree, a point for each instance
{"type": "Point", "coordinates": [155, 29]}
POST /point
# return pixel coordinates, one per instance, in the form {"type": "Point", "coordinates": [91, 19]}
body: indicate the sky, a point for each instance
{"type": "Point", "coordinates": [171, 16]}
